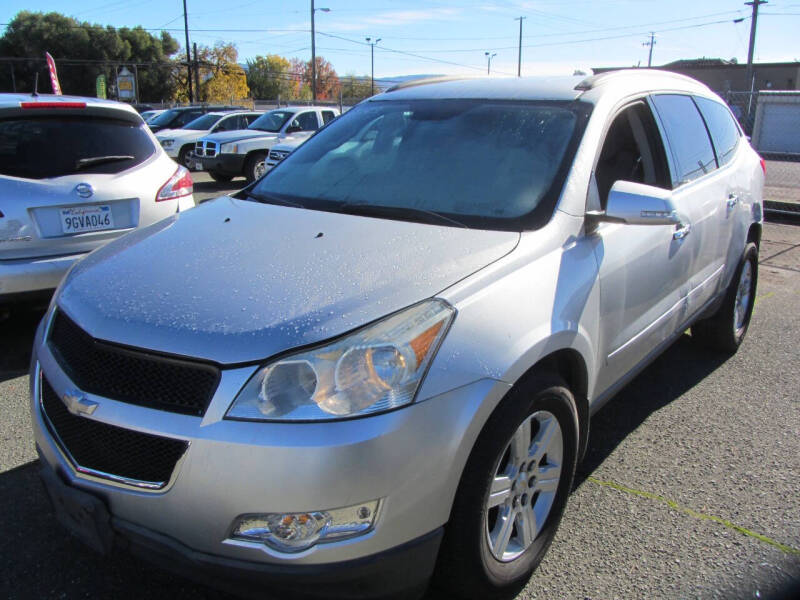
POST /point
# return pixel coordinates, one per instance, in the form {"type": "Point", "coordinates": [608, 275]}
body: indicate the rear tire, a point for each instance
{"type": "Point", "coordinates": [220, 177]}
{"type": "Point", "coordinates": [512, 493]}
{"type": "Point", "coordinates": [725, 329]}
{"type": "Point", "coordinates": [255, 166]}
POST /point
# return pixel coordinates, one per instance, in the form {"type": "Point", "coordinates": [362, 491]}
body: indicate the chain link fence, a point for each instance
{"type": "Point", "coordinates": [772, 121]}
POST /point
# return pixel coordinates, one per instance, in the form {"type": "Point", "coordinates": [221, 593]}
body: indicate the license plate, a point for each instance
{"type": "Point", "coordinates": [86, 218]}
{"type": "Point", "coordinates": [198, 166]}
{"type": "Point", "coordinates": [83, 515]}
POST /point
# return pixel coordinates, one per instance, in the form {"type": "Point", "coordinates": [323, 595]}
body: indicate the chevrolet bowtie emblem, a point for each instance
{"type": "Point", "coordinates": [77, 403]}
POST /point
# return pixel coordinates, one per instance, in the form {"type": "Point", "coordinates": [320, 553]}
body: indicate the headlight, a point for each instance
{"type": "Point", "coordinates": [374, 369]}
{"type": "Point", "coordinates": [229, 149]}
{"type": "Point", "coordinates": [167, 143]}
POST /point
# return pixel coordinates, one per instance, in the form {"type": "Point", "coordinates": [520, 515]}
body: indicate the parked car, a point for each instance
{"type": "Point", "coordinates": [280, 151]}
{"type": "Point", "coordinates": [243, 153]}
{"type": "Point", "coordinates": [376, 366]}
{"type": "Point", "coordinates": [75, 173]}
{"type": "Point", "coordinates": [175, 118]}
{"type": "Point", "coordinates": [149, 115]}
{"type": "Point", "coordinates": [179, 143]}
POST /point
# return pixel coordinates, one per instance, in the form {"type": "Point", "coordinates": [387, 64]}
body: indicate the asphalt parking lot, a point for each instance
{"type": "Point", "coordinates": [689, 488]}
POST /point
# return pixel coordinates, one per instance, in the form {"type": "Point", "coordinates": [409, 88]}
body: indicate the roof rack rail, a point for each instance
{"type": "Point", "coordinates": [593, 81]}
{"type": "Point", "coordinates": [424, 81]}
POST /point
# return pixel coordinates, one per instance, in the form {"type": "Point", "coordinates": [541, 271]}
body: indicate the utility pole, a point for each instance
{"type": "Point", "coordinates": [650, 43]}
{"type": "Point", "coordinates": [519, 57]}
{"type": "Point", "coordinates": [751, 50]}
{"type": "Point", "coordinates": [489, 58]}
{"type": "Point", "coordinates": [372, 61]}
{"type": "Point", "coordinates": [188, 53]}
{"type": "Point", "coordinates": [196, 72]}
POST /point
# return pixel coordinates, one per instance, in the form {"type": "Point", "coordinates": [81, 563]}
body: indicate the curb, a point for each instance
{"type": "Point", "coordinates": [782, 212]}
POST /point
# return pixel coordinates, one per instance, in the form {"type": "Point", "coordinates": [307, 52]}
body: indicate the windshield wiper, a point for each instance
{"type": "Point", "coordinates": [365, 209]}
{"type": "Point", "coordinates": [267, 199]}
{"type": "Point", "coordinates": [99, 160]}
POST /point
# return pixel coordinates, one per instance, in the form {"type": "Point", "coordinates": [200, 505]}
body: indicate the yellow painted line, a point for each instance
{"type": "Point", "coordinates": [764, 297]}
{"type": "Point", "coordinates": [697, 515]}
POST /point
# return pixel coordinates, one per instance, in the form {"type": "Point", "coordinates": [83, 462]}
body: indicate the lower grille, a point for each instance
{"type": "Point", "coordinates": [111, 452]}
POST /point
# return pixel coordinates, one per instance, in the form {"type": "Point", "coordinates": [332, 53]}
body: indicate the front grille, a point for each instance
{"type": "Point", "coordinates": [133, 376]}
{"type": "Point", "coordinates": [109, 451]}
{"type": "Point", "coordinates": [204, 148]}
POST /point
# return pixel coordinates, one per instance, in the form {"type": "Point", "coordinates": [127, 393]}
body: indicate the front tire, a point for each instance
{"type": "Point", "coordinates": [255, 167]}
{"type": "Point", "coordinates": [512, 493]}
{"type": "Point", "coordinates": [185, 157]}
{"type": "Point", "coordinates": [725, 329]}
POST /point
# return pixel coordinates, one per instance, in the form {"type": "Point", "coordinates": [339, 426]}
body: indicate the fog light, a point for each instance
{"type": "Point", "coordinates": [295, 532]}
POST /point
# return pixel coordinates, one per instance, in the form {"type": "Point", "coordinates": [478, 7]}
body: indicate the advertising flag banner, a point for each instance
{"type": "Point", "coordinates": [51, 65]}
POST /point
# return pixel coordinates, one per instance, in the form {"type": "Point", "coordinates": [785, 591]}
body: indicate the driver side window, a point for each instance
{"type": "Point", "coordinates": [632, 151]}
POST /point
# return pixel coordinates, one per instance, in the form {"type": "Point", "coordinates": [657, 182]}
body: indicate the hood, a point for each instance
{"type": "Point", "coordinates": [235, 281]}
{"type": "Point", "coordinates": [178, 134]}
{"type": "Point", "coordinates": [238, 135]}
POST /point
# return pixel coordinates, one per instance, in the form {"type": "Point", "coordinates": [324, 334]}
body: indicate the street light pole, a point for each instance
{"type": "Point", "coordinates": [489, 58]}
{"type": "Point", "coordinates": [372, 61]}
{"type": "Point", "coordinates": [751, 49]}
{"type": "Point", "coordinates": [314, 54]}
{"type": "Point", "coordinates": [519, 58]}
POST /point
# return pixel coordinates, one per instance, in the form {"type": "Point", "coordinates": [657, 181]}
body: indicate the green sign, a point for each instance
{"type": "Point", "coordinates": [101, 86]}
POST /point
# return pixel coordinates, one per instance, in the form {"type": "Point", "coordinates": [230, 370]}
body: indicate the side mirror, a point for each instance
{"type": "Point", "coordinates": [638, 204]}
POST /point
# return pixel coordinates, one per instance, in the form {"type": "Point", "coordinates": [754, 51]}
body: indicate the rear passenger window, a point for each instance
{"type": "Point", "coordinates": [686, 134]}
{"type": "Point", "coordinates": [724, 132]}
{"type": "Point", "coordinates": [327, 116]}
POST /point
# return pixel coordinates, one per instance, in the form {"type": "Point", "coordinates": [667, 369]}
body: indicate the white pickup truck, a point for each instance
{"type": "Point", "coordinates": [243, 153]}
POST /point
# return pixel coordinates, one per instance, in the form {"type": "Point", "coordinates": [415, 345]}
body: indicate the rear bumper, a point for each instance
{"type": "Point", "coordinates": [227, 164]}
{"type": "Point", "coordinates": [33, 274]}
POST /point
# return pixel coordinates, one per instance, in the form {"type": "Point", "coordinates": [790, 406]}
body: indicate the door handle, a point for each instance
{"type": "Point", "coordinates": [681, 233]}
{"type": "Point", "coordinates": [733, 200]}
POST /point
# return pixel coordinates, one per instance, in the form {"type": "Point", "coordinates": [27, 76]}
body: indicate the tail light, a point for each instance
{"type": "Point", "coordinates": [180, 184]}
{"type": "Point", "coordinates": [764, 166]}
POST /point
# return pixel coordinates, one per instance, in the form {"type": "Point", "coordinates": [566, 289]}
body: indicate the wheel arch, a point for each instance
{"type": "Point", "coordinates": [570, 366]}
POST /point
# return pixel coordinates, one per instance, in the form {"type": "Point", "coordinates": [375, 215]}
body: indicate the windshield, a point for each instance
{"type": "Point", "coordinates": [272, 121]}
{"type": "Point", "coordinates": [478, 162]}
{"type": "Point", "coordinates": [203, 123]}
{"type": "Point", "coordinates": [165, 118]}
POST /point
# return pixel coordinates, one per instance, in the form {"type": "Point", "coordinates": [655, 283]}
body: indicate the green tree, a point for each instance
{"type": "Point", "coordinates": [356, 88]}
{"type": "Point", "coordinates": [82, 51]}
{"type": "Point", "coordinates": [269, 77]}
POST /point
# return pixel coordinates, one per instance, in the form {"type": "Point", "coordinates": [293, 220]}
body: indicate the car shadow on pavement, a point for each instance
{"type": "Point", "coordinates": [682, 366]}
{"type": "Point", "coordinates": [221, 188]}
{"type": "Point", "coordinates": [17, 330]}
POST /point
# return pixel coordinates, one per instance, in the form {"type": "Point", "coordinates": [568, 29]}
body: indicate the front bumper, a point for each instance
{"type": "Point", "coordinates": [401, 572]}
{"type": "Point", "coordinates": [410, 459]}
{"type": "Point", "coordinates": [226, 164]}
{"type": "Point", "coordinates": [22, 275]}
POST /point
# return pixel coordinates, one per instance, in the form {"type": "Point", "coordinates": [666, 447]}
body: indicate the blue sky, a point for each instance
{"type": "Point", "coordinates": [451, 37]}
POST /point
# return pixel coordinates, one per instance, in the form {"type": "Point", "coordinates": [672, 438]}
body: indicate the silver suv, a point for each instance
{"type": "Point", "coordinates": [74, 174]}
{"type": "Point", "coordinates": [375, 367]}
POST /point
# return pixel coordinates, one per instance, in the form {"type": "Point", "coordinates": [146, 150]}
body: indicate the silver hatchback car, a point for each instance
{"type": "Point", "coordinates": [375, 367]}
{"type": "Point", "coordinates": [75, 173]}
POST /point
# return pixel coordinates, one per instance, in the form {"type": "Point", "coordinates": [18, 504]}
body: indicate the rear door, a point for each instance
{"type": "Point", "coordinates": [699, 192]}
{"type": "Point", "coordinates": [64, 184]}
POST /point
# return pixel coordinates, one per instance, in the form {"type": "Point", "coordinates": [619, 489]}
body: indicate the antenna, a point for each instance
{"type": "Point", "coordinates": [35, 85]}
